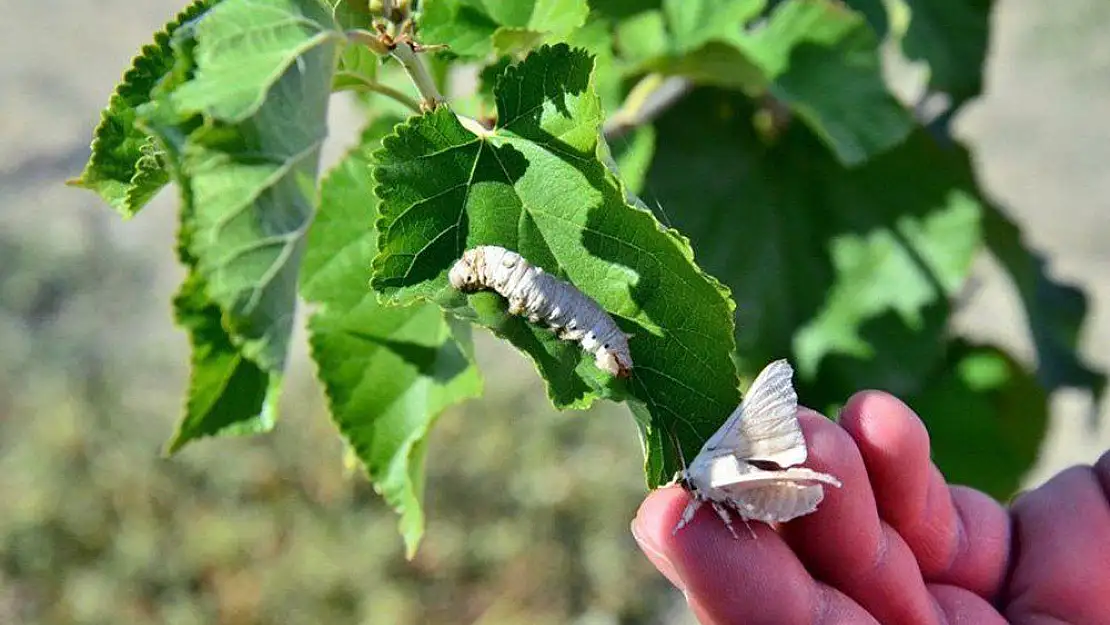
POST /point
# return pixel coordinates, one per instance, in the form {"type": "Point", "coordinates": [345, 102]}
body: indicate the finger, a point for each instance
{"type": "Point", "coordinates": [845, 544]}
{"type": "Point", "coordinates": [958, 537]}
{"type": "Point", "coordinates": [735, 580]}
{"type": "Point", "coordinates": [983, 553]}
{"type": "Point", "coordinates": [1102, 470]}
{"type": "Point", "coordinates": [960, 605]}
{"type": "Point", "coordinates": [1062, 532]}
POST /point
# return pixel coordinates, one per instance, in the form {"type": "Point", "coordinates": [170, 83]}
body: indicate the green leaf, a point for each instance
{"type": "Point", "coordinates": [952, 37]}
{"type": "Point", "coordinates": [823, 61]}
{"type": "Point", "coordinates": [125, 169]}
{"type": "Point", "coordinates": [388, 371]}
{"type": "Point", "coordinates": [986, 416]}
{"type": "Point", "coordinates": [251, 184]}
{"type": "Point", "coordinates": [246, 47]}
{"type": "Point", "coordinates": [358, 65]}
{"type": "Point", "coordinates": [475, 28]}
{"type": "Point", "coordinates": [538, 184]}
{"type": "Point", "coordinates": [822, 259]}
{"type": "Point", "coordinates": [815, 56]}
{"type": "Point", "coordinates": [1054, 311]}
{"type": "Point", "coordinates": [227, 393]}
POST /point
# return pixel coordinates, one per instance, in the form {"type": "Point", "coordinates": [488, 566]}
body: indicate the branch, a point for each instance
{"type": "Point", "coordinates": [651, 96]}
{"type": "Point", "coordinates": [405, 53]}
{"type": "Point", "coordinates": [365, 84]}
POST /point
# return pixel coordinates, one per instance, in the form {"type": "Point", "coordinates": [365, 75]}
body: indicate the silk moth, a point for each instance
{"type": "Point", "coordinates": [543, 298]}
{"type": "Point", "coordinates": [746, 465]}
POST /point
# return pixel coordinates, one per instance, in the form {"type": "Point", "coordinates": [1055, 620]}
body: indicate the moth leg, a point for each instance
{"type": "Point", "coordinates": [722, 512]}
{"type": "Point", "coordinates": [687, 515]}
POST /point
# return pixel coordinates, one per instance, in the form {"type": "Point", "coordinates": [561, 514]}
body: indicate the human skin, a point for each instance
{"type": "Point", "coordinates": [896, 544]}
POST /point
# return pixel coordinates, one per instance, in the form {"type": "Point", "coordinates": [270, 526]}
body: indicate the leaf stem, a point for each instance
{"type": "Point", "coordinates": [365, 84]}
{"type": "Point", "coordinates": [405, 53]}
{"type": "Point", "coordinates": [651, 96]}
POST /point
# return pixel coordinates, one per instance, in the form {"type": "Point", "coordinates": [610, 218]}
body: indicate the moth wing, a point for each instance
{"type": "Point", "coordinates": [771, 496]}
{"type": "Point", "coordinates": [776, 503]}
{"type": "Point", "coordinates": [727, 472]}
{"type": "Point", "coordinates": [765, 425]}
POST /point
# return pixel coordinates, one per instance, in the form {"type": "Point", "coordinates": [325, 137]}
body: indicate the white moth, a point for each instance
{"type": "Point", "coordinates": [543, 298]}
{"type": "Point", "coordinates": [745, 465]}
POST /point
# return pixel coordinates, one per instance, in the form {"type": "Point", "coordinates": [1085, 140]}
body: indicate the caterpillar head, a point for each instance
{"type": "Point", "coordinates": [464, 275]}
{"type": "Point", "coordinates": [615, 363]}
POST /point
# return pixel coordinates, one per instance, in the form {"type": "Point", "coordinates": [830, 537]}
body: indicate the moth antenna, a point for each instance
{"type": "Point", "coordinates": [678, 448]}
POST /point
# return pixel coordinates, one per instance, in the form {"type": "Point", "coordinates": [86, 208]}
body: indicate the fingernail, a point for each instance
{"type": "Point", "coordinates": [655, 554]}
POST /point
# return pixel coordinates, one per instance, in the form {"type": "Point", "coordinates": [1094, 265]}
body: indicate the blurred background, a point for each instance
{"type": "Point", "coordinates": [528, 508]}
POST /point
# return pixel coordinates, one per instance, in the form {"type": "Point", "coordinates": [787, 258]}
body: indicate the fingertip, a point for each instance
{"type": "Point", "coordinates": [844, 543]}
{"type": "Point", "coordinates": [910, 492]}
{"type": "Point", "coordinates": [1062, 535]}
{"type": "Point", "coordinates": [726, 579]}
{"type": "Point", "coordinates": [1102, 470]}
{"type": "Point", "coordinates": [885, 424]}
{"type": "Point", "coordinates": [827, 444]}
{"type": "Point", "coordinates": [652, 529]}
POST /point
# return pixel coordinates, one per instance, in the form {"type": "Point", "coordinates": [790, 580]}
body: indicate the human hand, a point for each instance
{"type": "Point", "coordinates": [896, 544]}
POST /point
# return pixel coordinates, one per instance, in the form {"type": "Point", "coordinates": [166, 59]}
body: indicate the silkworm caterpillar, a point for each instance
{"type": "Point", "coordinates": [543, 298]}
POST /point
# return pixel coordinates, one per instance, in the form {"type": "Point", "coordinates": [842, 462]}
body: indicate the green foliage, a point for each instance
{"type": "Point", "coordinates": [982, 404]}
{"type": "Point", "coordinates": [476, 28]}
{"type": "Point", "coordinates": [125, 169]}
{"type": "Point", "coordinates": [388, 372]}
{"type": "Point", "coordinates": [536, 185]}
{"type": "Point", "coordinates": [812, 56]}
{"type": "Point", "coordinates": [764, 132]}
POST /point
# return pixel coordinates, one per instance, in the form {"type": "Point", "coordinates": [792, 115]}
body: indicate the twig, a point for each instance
{"type": "Point", "coordinates": [364, 84]}
{"type": "Point", "coordinates": [651, 96]}
{"type": "Point", "coordinates": [405, 53]}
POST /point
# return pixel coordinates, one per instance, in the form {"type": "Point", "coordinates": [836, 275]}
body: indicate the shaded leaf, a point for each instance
{"type": "Point", "coordinates": [537, 184]}
{"type": "Point", "coordinates": [388, 371]}
{"type": "Point", "coordinates": [251, 184]}
{"type": "Point", "coordinates": [817, 57]}
{"type": "Point", "coordinates": [227, 394]}
{"type": "Point", "coordinates": [823, 260]}
{"type": "Point", "coordinates": [986, 416]}
{"type": "Point", "coordinates": [823, 62]}
{"type": "Point", "coordinates": [125, 169]}
{"type": "Point", "coordinates": [952, 36]}
{"type": "Point", "coordinates": [1054, 311]}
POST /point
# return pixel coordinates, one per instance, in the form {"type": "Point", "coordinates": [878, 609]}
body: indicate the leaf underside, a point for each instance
{"type": "Point", "coordinates": [388, 371]}
{"type": "Point", "coordinates": [126, 168]}
{"type": "Point", "coordinates": [245, 155]}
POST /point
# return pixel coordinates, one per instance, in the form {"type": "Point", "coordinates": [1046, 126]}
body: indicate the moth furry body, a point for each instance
{"type": "Point", "coordinates": [543, 298]}
{"type": "Point", "coordinates": [748, 465]}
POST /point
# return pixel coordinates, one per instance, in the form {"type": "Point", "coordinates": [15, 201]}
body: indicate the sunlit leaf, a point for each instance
{"type": "Point", "coordinates": [388, 371]}
{"type": "Point", "coordinates": [537, 184]}
{"type": "Point", "coordinates": [476, 28]}
{"type": "Point", "coordinates": [125, 167]}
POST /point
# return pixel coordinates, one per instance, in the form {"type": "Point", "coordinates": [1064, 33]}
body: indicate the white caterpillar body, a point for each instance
{"type": "Point", "coordinates": [543, 298]}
